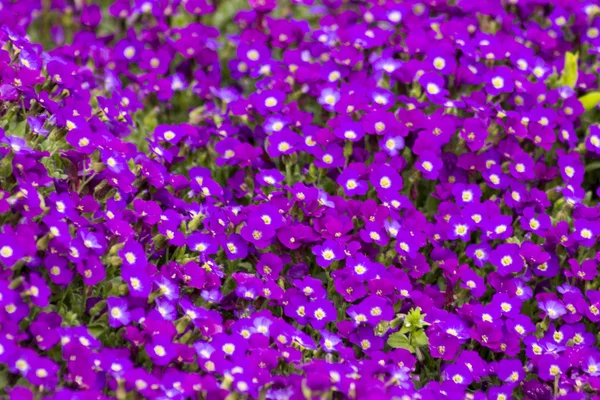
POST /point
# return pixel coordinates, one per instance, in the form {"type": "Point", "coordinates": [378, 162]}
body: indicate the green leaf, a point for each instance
{"type": "Point", "coordinates": [306, 392]}
{"type": "Point", "coordinates": [400, 341]}
{"type": "Point", "coordinates": [97, 329]}
{"type": "Point", "coordinates": [6, 168]}
{"type": "Point", "coordinates": [382, 328]}
{"type": "Point", "coordinates": [396, 322]}
{"type": "Point", "coordinates": [414, 319]}
{"type": "Point", "coordinates": [592, 166]}
{"type": "Point", "coordinates": [19, 128]}
{"type": "Point", "coordinates": [420, 339]}
{"type": "Point", "coordinates": [313, 173]}
{"type": "Point", "coordinates": [98, 307]}
{"type": "Point", "coordinates": [70, 318]}
{"type": "Point", "coordinates": [3, 379]}
{"type": "Point", "coordinates": [570, 72]}
{"type": "Point", "coordinates": [76, 306]}
{"type": "Point", "coordinates": [590, 100]}
{"type": "Point", "coordinates": [181, 324]}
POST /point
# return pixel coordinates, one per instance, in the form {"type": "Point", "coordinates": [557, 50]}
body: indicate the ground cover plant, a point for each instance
{"type": "Point", "coordinates": [305, 199]}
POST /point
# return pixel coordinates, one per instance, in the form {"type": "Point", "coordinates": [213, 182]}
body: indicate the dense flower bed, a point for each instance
{"type": "Point", "coordinates": [339, 200]}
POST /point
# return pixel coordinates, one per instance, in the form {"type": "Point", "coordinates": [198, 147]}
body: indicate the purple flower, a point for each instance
{"type": "Point", "coordinates": [329, 98]}
{"type": "Point", "coordinates": [350, 181]}
{"type": "Point", "coordinates": [263, 5]}
{"type": "Point", "coordinates": [458, 375]}
{"type": "Point", "coordinates": [138, 282]}
{"type": "Point", "coordinates": [82, 138]}
{"type": "Point", "coordinates": [585, 232]}
{"type": "Point", "coordinates": [320, 312]}
{"type": "Point", "coordinates": [330, 157]}
{"type": "Point", "coordinates": [235, 247]}
{"type": "Point", "coordinates": [551, 366]}
{"type": "Point", "coordinates": [39, 292]}
{"type": "Point", "coordinates": [161, 350]}
{"type": "Point", "coordinates": [118, 312]}
{"type": "Point", "coordinates": [522, 167]}
{"type": "Point", "coordinates": [385, 178]}
{"type": "Point", "coordinates": [429, 164]}
{"type": "Point", "coordinates": [10, 250]}
{"type": "Point", "coordinates": [499, 80]}
{"type": "Point", "coordinates": [591, 365]}
{"type": "Point", "coordinates": [433, 85]}
{"type": "Point", "coordinates": [535, 222]}
{"type": "Point", "coordinates": [473, 282]}
{"type": "Point", "coordinates": [460, 228]}
{"type": "Point", "coordinates": [257, 232]}
{"type": "Point", "coordinates": [347, 129]}
{"type": "Point", "coordinates": [499, 227]}
{"type": "Point", "coordinates": [443, 346]}
{"type": "Point", "coordinates": [571, 168]}
{"type": "Point", "coordinates": [553, 309]}
{"type": "Point", "coordinates": [281, 143]}
{"type": "Point", "coordinates": [510, 371]}
{"type": "Point", "coordinates": [507, 259]}
{"type": "Point", "coordinates": [327, 253]}
{"type": "Point", "coordinates": [585, 271]}
{"type": "Point", "coordinates": [270, 178]}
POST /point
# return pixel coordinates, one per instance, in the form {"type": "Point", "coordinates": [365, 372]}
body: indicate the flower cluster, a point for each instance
{"type": "Point", "coordinates": [312, 199]}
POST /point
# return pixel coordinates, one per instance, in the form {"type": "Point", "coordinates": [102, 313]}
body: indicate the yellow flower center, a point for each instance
{"type": "Point", "coordinates": [328, 254]}
{"type": "Point", "coordinates": [6, 251]}
{"type": "Point", "coordinates": [160, 350]}
{"type": "Point", "coordinates": [506, 261]}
